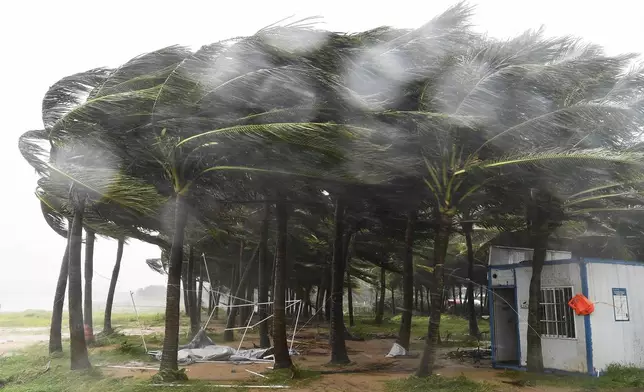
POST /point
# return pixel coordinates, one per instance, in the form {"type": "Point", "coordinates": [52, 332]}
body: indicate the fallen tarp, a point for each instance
{"type": "Point", "coordinates": [213, 352]}
{"type": "Point", "coordinates": [396, 351]}
{"type": "Point", "coordinates": [200, 340]}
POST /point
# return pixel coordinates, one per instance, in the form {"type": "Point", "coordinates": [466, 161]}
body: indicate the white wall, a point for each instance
{"type": "Point", "coordinates": [501, 255]}
{"type": "Point", "coordinates": [616, 341]}
{"type": "Point", "coordinates": [561, 354]}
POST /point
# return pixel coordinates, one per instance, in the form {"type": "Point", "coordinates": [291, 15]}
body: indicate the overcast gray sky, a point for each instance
{"type": "Point", "coordinates": [43, 41]}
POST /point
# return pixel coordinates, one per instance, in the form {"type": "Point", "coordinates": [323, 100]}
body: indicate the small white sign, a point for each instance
{"type": "Point", "coordinates": [524, 305]}
{"type": "Point", "coordinates": [620, 304]}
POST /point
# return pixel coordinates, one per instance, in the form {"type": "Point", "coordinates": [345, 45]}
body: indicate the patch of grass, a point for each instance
{"type": "Point", "coordinates": [42, 318]}
{"type": "Point", "coordinates": [129, 320]}
{"type": "Point", "coordinates": [28, 371]}
{"type": "Point", "coordinates": [616, 377]}
{"type": "Point", "coordinates": [299, 378]}
{"type": "Point", "coordinates": [26, 319]}
{"type": "Point", "coordinates": [438, 384]}
{"type": "Point", "coordinates": [453, 329]}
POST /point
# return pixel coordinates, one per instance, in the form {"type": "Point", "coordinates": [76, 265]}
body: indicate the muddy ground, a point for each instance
{"type": "Point", "coordinates": [372, 369]}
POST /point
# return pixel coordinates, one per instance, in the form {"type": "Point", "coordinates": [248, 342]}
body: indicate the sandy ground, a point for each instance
{"type": "Point", "coordinates": [368, 358]}
{"type": "Point", "coordinates": [13, 339]}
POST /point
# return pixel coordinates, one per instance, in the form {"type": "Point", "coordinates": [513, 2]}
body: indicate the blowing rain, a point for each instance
{"type": "Point", "coordinates": [430, 197]}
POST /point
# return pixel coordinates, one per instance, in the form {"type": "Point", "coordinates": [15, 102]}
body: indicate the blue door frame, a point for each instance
{"type": "Point", "coordinates": [491, 311]}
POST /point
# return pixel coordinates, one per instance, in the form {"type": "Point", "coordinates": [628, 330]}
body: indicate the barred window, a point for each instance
{"type": "Point", "coordinates": [556, 317]}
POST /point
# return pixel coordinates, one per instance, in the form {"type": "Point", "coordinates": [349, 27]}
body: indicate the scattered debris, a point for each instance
{"type": "Point", "coordinates": [256, 374]}
{"type": "Point", "coordinates": [200, 340]}
{"type": "Point", "coordinates": [520, 383]}
{"type": "Point", "coordinates": [130, 367]}
{"type": "Point", "coordinates": [227, 386]}
{"type": "Point", "coordinates": [398, 351]}
{"type": "Point", "coordinates": [476, 354]}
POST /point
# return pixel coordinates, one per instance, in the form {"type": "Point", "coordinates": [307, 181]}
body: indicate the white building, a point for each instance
{"type": "Point", "coordinates": [585, 344]}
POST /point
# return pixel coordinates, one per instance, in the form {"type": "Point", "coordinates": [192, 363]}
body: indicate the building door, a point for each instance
{"type": "Point", "coordinates": [505, 319]}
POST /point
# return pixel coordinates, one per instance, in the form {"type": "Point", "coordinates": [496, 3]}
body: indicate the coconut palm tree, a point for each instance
{"type": "Point", "coordinates": [107, 320]}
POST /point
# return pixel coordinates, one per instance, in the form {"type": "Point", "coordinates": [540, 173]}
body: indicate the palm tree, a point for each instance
{"type": "Point", "coordinates": [338, 348]}
{"type": "Point", "coordinates": [90, 237]}
{"type": "Point", "coordinates": [470, 126]}
{"type": "Point", "coordinates": [107, 320]}
{"type": "Point", "coordinates": [262, 289]}
{"type": "Point", "coordinates": [282, 357]}
{"type": "Point", "coordinates": [78, 347]}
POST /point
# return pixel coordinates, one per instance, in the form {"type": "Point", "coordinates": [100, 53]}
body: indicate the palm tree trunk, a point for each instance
{"type": "Point", "coordinates": [90, 237]}
{"type": "Point", "coordinates": [380, 310]}
{"type": "Point", "coordinates": [460, 299]}
{"type": "Point", "coordinates": [230, 323]}
{"type": "Point", "coordinates": [173, 292]}
{"type": "Point", "coordinates": [338, 345]}
{"type": "Point", "coordinates": [55, 330]}
{"type": "Point", "coordinates": [262, 295]}
{"type": "Point", "coordinates": [455, 309]}
{"type": "Point", "coordinates": [348, 251]}
{"type": "Point", "coordinates": [328, 294]}
{"type": "Point", "coordinates": [404, 334]}
{"type": "Point", "coordinates": [282, 357]}
{"type": "Point", "coordinates": [471, 309]}
{"type": "Point", "coordinates": [216, 304]}
{"type": "Point", "coordinates": [186, 297]}
{"type": "Point", "coordinates": [242, 286]}
{"type": "Point", "coordinates": [482, 303]}
{"type": "Point", "coordinates": [350, 297]}
{"type": "Point", "coordinates": [233, 285]}
{"type": "Point", "coordinates": [421, 293]}
{"type": "Point", "coordinates": [375, 305]}
{"type": "Point", "coordinates": [200, 294]}
{"type": "Point", "coordinates": [192, 295]}
{"type": "Point", "coordinates": [318, 301]}
{"type": "Point", "coordinates": [534, 354]}
{"type": "Point", "coordinates": [107, 322]}
{"type": "Point", "coordinates": [441, 242]}
{"type": "Point", "coordinates": [78, 347]}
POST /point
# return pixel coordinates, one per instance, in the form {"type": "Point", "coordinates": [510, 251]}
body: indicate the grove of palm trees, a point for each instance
{"type": "Point", "coordinates": [299, 163]}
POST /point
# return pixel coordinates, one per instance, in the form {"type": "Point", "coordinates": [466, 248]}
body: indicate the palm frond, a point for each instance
{"type": "Point", "coordinates": [70, 92]}
{"type": "Point", "coordinates": [580, 157]}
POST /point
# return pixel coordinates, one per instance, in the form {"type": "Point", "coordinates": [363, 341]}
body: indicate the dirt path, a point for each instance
{"type": "Point", "coordinates": [13, 339]}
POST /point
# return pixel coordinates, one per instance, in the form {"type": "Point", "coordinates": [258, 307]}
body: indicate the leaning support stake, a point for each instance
{"type": "Point", "coordinates": [138, 320]}
{"type": "Point", "coordinates": [297, 319]}
{"type": "Point", "coordinates": [246, 330]}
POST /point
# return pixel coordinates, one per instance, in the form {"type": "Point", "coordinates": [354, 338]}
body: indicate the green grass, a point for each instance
{"type": "Point", "coordinates": [28, 318]}
{"type": "Point", "coordinates": [25, 371]}
{"type": "Point", "coordinates": [283, 377]}
{"type": "Point", "coordinates": [438, 384]}
{"type": "Point", "coordinates": [616, 378]}
{"type": "Point", "coordinates": [42, 318]}
{"type": "Point", "coordinates": [453, 329]}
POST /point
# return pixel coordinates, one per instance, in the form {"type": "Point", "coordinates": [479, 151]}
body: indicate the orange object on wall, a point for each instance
{"type": "Point", "coordinates": [581, 305]}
